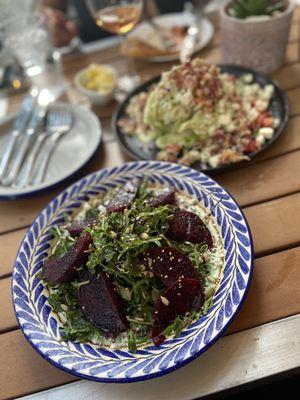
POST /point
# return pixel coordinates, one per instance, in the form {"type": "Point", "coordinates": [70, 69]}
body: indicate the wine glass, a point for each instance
{"type": "Point", "coordinates": [119, 17]}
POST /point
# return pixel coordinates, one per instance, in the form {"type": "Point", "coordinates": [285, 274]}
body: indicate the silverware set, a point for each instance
{"type": "Point", "coordinates": [36, 131]}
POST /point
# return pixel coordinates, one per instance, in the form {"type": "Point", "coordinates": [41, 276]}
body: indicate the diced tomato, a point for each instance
{"type": "Point", "coordinates": [261, 118]}
{"type": "Point", "coordinates": [268, 122]}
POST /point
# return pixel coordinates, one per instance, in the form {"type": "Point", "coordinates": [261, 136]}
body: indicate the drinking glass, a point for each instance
{"type": "Point", "coordinates": [27, 39]}
{"type": "Point", "coordinates": [118, 17]}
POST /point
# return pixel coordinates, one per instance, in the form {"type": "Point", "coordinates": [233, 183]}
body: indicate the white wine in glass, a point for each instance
{"type": "Point", "coordinates": [118, 17]}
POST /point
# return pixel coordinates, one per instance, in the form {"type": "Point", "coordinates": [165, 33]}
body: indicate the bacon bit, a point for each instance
{"type": "Point", "coordinates": [251, 147]}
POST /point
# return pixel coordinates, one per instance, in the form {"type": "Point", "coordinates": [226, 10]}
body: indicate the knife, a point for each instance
{"type": "Point", "coordinates": [193, 33]}
{"type": "Point", "coordinates": [189, 43]}
{"type": "Point", "coordinates": [33, 124]}
{"type": "Point", "coordinates": [18, 127]}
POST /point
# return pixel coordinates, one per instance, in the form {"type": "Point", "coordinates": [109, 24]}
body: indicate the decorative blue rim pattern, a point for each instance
{"type": "Point", "coordinates": [41, 327]}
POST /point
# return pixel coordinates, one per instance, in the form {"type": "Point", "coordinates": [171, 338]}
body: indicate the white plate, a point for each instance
{"type": "Point", "coordinates": [174, 19]}
{"type": "Point", "coordinates": [72, 153]}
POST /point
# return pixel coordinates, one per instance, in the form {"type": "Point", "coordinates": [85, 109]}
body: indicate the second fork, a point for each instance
{"type": "Point", "coordinates": [59, 122]}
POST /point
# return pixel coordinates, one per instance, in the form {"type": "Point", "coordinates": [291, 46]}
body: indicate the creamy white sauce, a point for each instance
{"type": "Point", "coordinates": [215, 256]}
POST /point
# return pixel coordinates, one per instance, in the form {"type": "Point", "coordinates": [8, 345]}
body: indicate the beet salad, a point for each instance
{"type": "Point", "coordinates": [134, 266]}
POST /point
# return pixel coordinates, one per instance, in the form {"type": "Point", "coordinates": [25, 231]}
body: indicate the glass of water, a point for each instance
{"type": "Point", "coordinates": [27, 39]}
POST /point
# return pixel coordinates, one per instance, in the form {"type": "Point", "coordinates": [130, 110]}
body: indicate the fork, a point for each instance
{"type": "Point", "coordinates": [58, 123]}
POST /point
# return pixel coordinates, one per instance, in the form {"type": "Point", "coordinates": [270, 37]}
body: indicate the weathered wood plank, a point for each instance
{"type": "Point", "coordinates": [294, 99]}
{"type": "Point", "coordinates": [275, 282]}
{"type": "Point", "coordinates": [8, 320]}
{"type": "Point", "coordinates": [23, 370]}
{"type": "Point", "coordinates": [10, 243]}
{"type": "Point", "coordinates": [276, 224]}
{"type": "Point", "coordinates": [234, 360]}
{"type": "Point", "coordinates": [249, 185]}
{"type": "Point", "coordinates": [288, 76]}
{"type": "Point", "coordinates": [264, 180]}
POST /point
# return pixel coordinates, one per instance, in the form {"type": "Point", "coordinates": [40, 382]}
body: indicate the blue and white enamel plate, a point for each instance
{"type": "Point", "coordinates": [41, 326]}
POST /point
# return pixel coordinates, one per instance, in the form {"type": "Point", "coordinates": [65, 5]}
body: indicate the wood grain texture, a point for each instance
{"type": "Point", "coordinates": [9, 244]}
{"type": "Point", "coordinates": [275, 281]}
{"type": "Point", "coordinates": [248, 185]}
{"type": "Point", "coordinates": [276, 224]}
{"type": "Point", "coordinates": [264, 180]}
{"type": "Point", "coordinates": [294, 99]}
{"type": "Point", "coordinates": [23, 370]}
{"type": "Point", "coordinates": [292, 53]}
{"type": "Point", "coordinates": [296, 14]}
{"type": "Point", "coordinates": [236, 359]}
{"type": "Point", "coordinates": [288, 76]}
{"type": "Point", "coordinates": [8, 320]}
{"type": "Point", "coordinates": [294, 32]}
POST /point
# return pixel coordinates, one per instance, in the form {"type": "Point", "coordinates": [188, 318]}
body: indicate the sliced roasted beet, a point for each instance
{"type": "Point", "coordinates": [64, 269]}
{"type": "Point", "coordinates": [184, 295]}
{"type": "Point", "coordinates": [185, 225]}
{"type": "Point", "coordinates": [168, 264]}
{"type": "Point", "coordinates": [124, 197]}
{"type": "Point", "coordinates": [100, 303]}
{"type": "Point", "coordinates": [77, 227]}
{"type": "Point", "coordinates": [163, 198]}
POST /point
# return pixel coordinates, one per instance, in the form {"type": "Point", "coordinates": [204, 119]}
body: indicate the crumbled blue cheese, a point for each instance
{"type": "Point", "coordinates": [266, 132]}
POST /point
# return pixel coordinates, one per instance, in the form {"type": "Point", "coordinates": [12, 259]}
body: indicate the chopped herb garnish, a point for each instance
{"type": "Point", "coordinates": [119, 240]}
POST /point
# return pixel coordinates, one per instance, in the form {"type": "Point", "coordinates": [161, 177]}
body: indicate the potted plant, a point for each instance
{"type": "Point", "coordinates": [254, 33]}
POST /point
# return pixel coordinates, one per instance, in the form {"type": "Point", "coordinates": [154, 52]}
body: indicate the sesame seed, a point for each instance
{"type": "Point", "coordinates": [164, 300]}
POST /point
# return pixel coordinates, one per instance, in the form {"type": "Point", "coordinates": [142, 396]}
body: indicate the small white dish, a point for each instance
{"type": "Point", "coordinates": [169, 20]}
{"type": "Point", "coordinates": [97, 98]}
{"type": "Point", "coordinates": [71, 154]}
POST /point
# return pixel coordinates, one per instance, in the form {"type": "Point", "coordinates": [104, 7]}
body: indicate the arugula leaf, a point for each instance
{"type": "Point", "coordinates": [119, 240]}
{"type": "Point", "coordinates": [62, 241]}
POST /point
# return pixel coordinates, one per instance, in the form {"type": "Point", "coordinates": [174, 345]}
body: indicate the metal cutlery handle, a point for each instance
{"type": "Point", "coordinates": [27, 170]}
{"type": "Point", "coordinates": [7, 153]}
{"type": "Point", "coordinates": [49, 147]}
{"type": "Point", "coordinates": [18, 127]}
{"type": "Point", "coordinates": [17, 161]}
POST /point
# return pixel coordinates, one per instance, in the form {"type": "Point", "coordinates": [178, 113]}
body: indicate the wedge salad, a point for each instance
{"type": "Point", "coordinates": [133, 266]}
{"type": "Point", "coordinates": [196, 114]}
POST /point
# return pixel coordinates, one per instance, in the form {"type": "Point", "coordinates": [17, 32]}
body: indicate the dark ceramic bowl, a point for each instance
{"type": "Point", "coordinates": [279, 108]}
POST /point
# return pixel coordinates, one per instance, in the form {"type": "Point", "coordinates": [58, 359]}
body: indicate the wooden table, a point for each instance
{"type": "Point", "coordinates": [263, 341]}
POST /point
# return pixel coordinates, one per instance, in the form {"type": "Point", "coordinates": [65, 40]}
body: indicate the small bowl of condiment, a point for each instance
{"type": "Point", "coordinates": [97, 82]}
